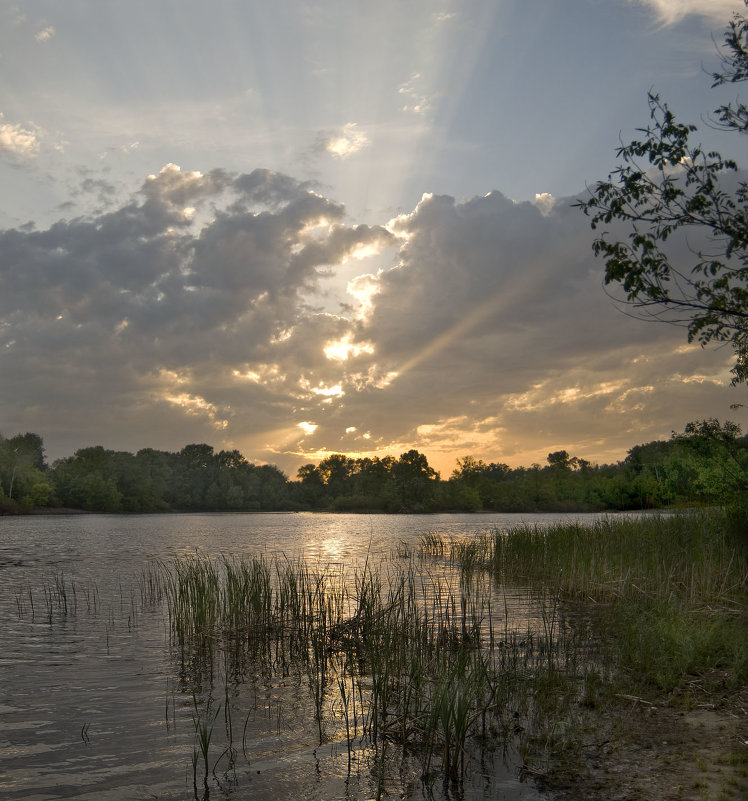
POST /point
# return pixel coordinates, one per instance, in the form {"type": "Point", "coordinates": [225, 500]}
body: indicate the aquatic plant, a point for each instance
{"type": "Point", "coordinates": [204, 721]}
{"type": "Point", "coordinates": [392, 656]}
{"type": "Point", "coordinates": [420, 656]}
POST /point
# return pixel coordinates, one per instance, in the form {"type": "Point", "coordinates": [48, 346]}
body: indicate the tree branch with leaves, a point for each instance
{"type": "Point", "coordinates": [684, 259]}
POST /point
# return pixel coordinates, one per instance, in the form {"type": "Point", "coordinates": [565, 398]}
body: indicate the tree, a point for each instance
{"type": "Point", "coordinates": [734, 70]}
{"type": "Point", "coordinates": [87, 480]}
{"type": "Point", "coordinates": [469, 470]}
{"type": "Point", "coordinates": [22, 471]}
{"type": "Point", "coordinates": [415, 480]}
{"type": "Point", "coordinates": [311, 484]}
{"type": "Point", "coordinates": [721, 459]}
{"type": "Point", "coordinates": [336, 472]}
{"type": "Point", "coordinates": [560, 460]}
{"type": "Point", "coordinates": [680, 203]}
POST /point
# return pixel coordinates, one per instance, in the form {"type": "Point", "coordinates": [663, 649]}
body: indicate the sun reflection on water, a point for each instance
{"type": "Point", "coordinates": [332, 547]}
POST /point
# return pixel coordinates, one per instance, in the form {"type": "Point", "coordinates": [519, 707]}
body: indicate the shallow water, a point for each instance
{"type": "Point", "coordinates": [96, 703]}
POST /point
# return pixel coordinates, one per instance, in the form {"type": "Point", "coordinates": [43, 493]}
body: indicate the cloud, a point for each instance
{"type": "Point", "coordinates": [185, 314]}
{"type": "Point", "coordinates": [126, 148]}
{"type": "Point", "coordinates": [416, 102]}
{"type": "Point", "coordinates": [492, 335]}
{"type": "Point", "coordinates": [545, 202]}
{"type": "Point", "coordinates": [103, 190]}
{"type": "Point", "coordinates": [669, 12]}
{"type": "Point", "coordinates": [45, 34]}
{"type": "Point", "coordinates": [18, 140]}
{"type": "Point", "coordinates": [190, 297]}
{"type": "Point", "coordinates": [14, 15]}
{"type": "Point", "coordinates": [343, 143]}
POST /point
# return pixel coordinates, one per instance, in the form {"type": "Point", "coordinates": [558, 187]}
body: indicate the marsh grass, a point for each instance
{"type": "Point", "coordinates": [419, 657]}
{"type": "Point", "coordinates": [670, 589]}
{"type": "Point", "coordinates": [688, 557]}
{"type": "Point", "coordinates": [673, 588]}
{"type": "Point", "coordinates": [204, 719]}
{"type": "Point", "coordinates": [639, 605]}
{"type": "Point", "coordinates": [61, 598]}
{"type": "Point", "coordinates": [404, 661]}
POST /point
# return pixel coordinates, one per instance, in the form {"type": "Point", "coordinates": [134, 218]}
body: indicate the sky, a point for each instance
{"type": "Point", "coordinates": [303, 228]}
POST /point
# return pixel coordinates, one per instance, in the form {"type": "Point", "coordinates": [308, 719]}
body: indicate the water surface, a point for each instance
{"type": "Point", "coordinates": [96, 703]}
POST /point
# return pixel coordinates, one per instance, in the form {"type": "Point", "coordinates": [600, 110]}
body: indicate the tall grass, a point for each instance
{"type": "Point", "coordinates": [688, 557]}
{"type": "Point", "coordinates": [653, 604]}
{"type": "Point", "coordinates": [671, 589]}
{"type": "Point", "coordinates": [393, 656]}
{"type": "Point", "coordinates": [61, 599]}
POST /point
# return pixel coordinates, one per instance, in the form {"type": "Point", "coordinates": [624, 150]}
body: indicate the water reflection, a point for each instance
{"type": "Point", "coordinates": [89, 648]}
{"type": "Point", "coordinates": [399, 664]}
{"type": "Point", "coordinates": [332, 548]}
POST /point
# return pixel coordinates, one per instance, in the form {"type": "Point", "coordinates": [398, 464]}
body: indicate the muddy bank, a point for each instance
{"type": "Point", "coordinates": [649, 750]}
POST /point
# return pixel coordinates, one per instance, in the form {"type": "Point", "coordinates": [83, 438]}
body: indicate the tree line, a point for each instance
{"type": "Point", "coordinates": [705, 464]}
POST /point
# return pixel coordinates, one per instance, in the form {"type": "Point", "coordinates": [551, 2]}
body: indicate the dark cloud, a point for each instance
{"type": "Point", "coordinates": [497, 336]}
{"type": "Point", "coordinates": [496, 280]}
{"type": "Point", "coordinates": [166, 302]}
{"type": "Point", "coordinates": [187, 313]}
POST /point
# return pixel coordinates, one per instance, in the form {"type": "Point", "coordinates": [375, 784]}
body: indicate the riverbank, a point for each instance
{"type": "Point", "coordinates": [667, 716]}
{"type": "Point", "coordinates": [649, 748]}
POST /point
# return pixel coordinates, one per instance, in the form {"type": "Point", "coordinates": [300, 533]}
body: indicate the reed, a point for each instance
{"type": "Point", "coordinates": [671, 590]}
{"type": "Point", "coordinates": [416, 652]}
{"type": "Point", "coordinates": [394, 652]}
{"type": "Point", "coordinates": [689, 556]}
{"type": "Point", "coordinates": [60, 598]}
{"type": "Point", "coordinates": [204, 721]}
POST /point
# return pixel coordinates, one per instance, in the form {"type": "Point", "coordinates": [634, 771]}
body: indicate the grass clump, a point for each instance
{"type": "Point", "coordinates": [688, 556]}
{"type": "Point", "coordinates": [663, 599]}
{"type": "Point", "coordinates": [665, 645]}
{"type": "Point", "coordinates": [670, 591]}
{"type": "Point", "coordinates": [393, 657]}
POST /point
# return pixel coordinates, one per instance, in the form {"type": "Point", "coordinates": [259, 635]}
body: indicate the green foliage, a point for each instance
{"type": "Point", "coordinates": [415, 481]}
{"type": "Point", "coordinates": [22, 473]}
{"type": "Point", "coordinates": [734, 70]}
{"type": "Point", "coordinates": [561, 460]}
{"type": "Point", "coordinates": [676, 199]}
{"type": "Point", "coordinates": [195, 479]}
{"type": "Point", "coordinates": [660, 643]}
{"type": "Point", "coordinates": [40, 494]}
{"type": "Point", "coordinates": [706, 464]}
{"type": "Point", "coordinates": [341, 483]}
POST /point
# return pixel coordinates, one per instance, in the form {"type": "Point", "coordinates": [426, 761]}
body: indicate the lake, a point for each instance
{"type": "Point", "coordinates": [98, 703]}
